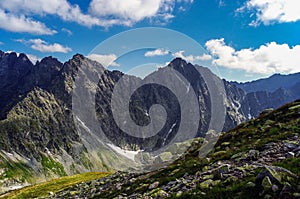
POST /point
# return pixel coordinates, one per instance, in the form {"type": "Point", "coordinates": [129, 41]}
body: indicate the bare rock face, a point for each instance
{"type": "Point", "coordinates": [13, 83]}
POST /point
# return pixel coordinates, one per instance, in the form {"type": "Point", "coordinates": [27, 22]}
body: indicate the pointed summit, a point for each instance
{"type": "Point", "coordinates": [178, 62]}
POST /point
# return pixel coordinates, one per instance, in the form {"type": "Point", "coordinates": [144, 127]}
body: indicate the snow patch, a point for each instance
{"type": "Point", "coordinates": [128, 154]}
{"type": "Point", "coordinates": [83, 124]}
{"type": "Point", "coordinates": [188, 88]}
{"type": "Point", "coordinates": [171, 129]}
{"type": "Point", "coordinates": [249, 115]}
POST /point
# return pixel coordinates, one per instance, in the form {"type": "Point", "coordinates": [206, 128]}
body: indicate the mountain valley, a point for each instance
{"type": "Point", "coordinates": [42, 137]}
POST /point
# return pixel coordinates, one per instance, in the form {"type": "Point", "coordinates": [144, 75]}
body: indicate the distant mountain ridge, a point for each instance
{"type": "Point", "coordinates": [270, 92]}
{"type": "Point", "coordinates": [271, 83]}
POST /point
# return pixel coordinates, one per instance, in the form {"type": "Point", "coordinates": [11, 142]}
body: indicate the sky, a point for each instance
{"type": "Point", "coordinates": [244, 39]}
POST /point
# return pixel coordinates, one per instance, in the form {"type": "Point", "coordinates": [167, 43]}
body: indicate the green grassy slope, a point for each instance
{"type": "Point", "coordinates": [53, 186]}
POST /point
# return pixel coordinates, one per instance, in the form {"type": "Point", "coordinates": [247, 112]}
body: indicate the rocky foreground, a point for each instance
{"type": "Point", "coordinates": [258, 159]}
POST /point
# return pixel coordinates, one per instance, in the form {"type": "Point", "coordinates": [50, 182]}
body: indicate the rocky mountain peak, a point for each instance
{"type": "Point", "coordinates": [50, 60]}
{"type": "Point", "coordinates": [13, 61]}
{"type": "Point", "coordinates": [23, 56]}
{"type": "Point", "coordinates": [78, 56]}
{"type": "Point", "coordinates": [188, 70]}
{"type": "Point", "coordinates": [49, 65]}
{"type": "Point", "coordinates": [178, 63]}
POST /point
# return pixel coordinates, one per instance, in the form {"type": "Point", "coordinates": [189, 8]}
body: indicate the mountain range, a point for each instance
{"type": "Point", "coordinates": [41, 138]}
{"type": "Point", "coordinates": [256, 159]}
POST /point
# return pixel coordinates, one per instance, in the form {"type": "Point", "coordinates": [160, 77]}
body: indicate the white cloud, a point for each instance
{"type": "Point", "coordinates": [267, 59]}
{"type": "Point", "coordinates": [270, 11]}
{"type": "Point", "coordinates": [105, 60]}
{"type": "Point", "coordinates": [69, 32]}
{"type": "Point", "coordinates": [191, 58]}
{"type": "Point", "coordinates": [21, 23]}
{"type": "Point", "coordinates": [132, 11]}
{"type": "Point", "coordinates": [221, 3]}
{"type": "Point", "coordinates": [60, 8]}
{"type": "Point", "coordinates": [204, 57]}
{"type": "Point", "coordinates": [156, 52]}
{"type": "Point", "coordinates": [43, 46]}
{"type": "Point", "coordinates": [101, 13]}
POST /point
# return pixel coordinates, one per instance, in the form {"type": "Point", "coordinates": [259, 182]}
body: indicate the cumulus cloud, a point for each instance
{"type": "Point", "coordinates": [271, 11]}
{"type": "Point", "coordinates": [267, 59]}
{"type": "Point", "coordinates": [191, 58]}
{"type": "Point", "coordinates": [105, 60]}
{"type": "Point", "coordinates": [13, 23]}
{"type": "Point", "coordinates": [132, 11]}
{"type": "Point", "coordinates": [43, 46]}
{"type": "Point", "coordinates": [100, 13]}
{"type": "Point", "coordinates": [156, 52]}
{"type": "Point", "coordinates": [61, 8]}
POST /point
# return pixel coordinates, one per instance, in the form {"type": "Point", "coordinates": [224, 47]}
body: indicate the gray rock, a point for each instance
{"type": "Point", "coordinates": [296, 149]}
{"type": "Point", "coordinates": [290, 146]}
{"type": "Point", "coordinates": [119, 186]}
{"type": "Point", "coordinates": [290, 155]}
{"type": "Point", "coordinates": [154, 185]}
{"type": "Point", "coordinates": [179, 193]}
{"type": "Point", "coordinates": [275, 188]}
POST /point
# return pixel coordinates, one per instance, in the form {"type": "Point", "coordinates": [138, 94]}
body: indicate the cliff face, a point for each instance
{"type": "Point", "coordinates": [39, 138]}
{"type": "Point", "coordinates": [38, 126]}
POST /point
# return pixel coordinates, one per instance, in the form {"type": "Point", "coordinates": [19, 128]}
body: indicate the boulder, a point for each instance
{"type": "Point", "coordinates": [154, 185]}
{"type": "Point", "coordinates": [290, 154]}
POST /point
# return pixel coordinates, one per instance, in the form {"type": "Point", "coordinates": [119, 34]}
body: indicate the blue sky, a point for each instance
{"type": "Point", "coordinates": [244, 39]}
